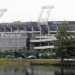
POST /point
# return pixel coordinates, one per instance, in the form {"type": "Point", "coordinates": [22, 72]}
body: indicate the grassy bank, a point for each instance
{"type": "Point", "coordinates": [13, 61]}
{"type": "Point", "coordinates": [30, 60]}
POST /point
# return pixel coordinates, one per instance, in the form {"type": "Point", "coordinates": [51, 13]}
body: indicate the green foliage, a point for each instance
{"type": "Point", "coordinates": [44, 55]}
{"type": "Point", "coordinates": [36, 53]}
{"type": "Point", "coordinates": [6, 52]}
{"type": "Point", "coordinates": [24, 48]}
{"type": "Point", "coordinates": [27, 52]}
{"type": "Point", "coordinates": [64, 46]}
{"type": "Point", "coordinates": [15, 53]}
{"type": "Point", "coordinates": [41, 51]}
{"type": "Point", "coordinates": [1, 53]}
{"type": "Point", "coordinates": [19, 54]}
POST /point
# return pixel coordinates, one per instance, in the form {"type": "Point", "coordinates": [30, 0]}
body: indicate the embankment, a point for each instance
{"type": "Point", "coordinates": [28, 62]}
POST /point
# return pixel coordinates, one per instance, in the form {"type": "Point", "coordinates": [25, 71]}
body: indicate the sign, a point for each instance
{"type": "Point", "coordinates": [6, 24]}
{"type": "Point", "coordinates": [10, 35]}
{"type": "Point", "coordinates": [2, 35]}
{"type": "Point", "coordinates": [59, 22]}
{"type": "Point", "coordinates": [25, 23]}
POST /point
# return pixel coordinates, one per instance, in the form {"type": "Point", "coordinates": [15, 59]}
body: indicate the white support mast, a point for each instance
{"type": "Point", "coordinates": [2, 11]}
{"type": "Point", "coordinates": [44, 21]}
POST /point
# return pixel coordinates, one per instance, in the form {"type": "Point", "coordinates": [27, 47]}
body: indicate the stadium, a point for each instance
{"type": "Point", "coordinates": [17, 35]}
{"type": "Point", "coordinates": [31, 35]}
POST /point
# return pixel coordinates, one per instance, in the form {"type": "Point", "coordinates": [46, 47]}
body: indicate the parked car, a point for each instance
{"type": "Point", "coordinates": [10, 56]}
{"type": "Point", "coordinates": [31, 57]}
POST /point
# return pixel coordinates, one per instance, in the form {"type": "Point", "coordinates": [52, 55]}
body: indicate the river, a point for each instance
{"type": "Point", "coordinates": [36, 70]}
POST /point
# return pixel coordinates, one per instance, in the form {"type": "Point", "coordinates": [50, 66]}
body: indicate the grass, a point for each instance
{"type": "Point", "coordinates": [43, 61]}
{"type": "Point", "coordinates": [32, 60]}
{"type": "Point", "coordinates": [9, 59]}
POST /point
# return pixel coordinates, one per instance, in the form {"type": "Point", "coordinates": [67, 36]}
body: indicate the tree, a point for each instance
{"type": "Point", "coordinates": [62, 44]}
{"type": "Point", "coordinates": [44, 55]}
{"type": "Point", "coordinates": [15, 53]}
{"type": "Point", "coordinates": [71, 45]}
{"type": "Point", "coordinates": [27, 53]}
{"type": "Point", "coordinates": [36, 53]}
{"type": "Point", "coordinates": [41, 51]}
{"type": "Point", "coordinates": [1, 54]}
{"type": "Point", "coordinates": [24, 48]}
{"type": "Point", "coordinates": [5, 53]}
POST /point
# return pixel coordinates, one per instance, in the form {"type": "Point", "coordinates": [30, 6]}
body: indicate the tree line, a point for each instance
{"type": "Point", "coordinates": [43, 54]}
{"type": "Point", "coordinates": [64, 46]}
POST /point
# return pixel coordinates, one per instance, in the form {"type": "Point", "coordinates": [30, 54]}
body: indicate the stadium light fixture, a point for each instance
{"type": "Point", "coordinates": [48, 7]}
{"type": "Point", "coordinates": [44, 21]}
{"type": "Point", "coordinates": [2, 11]}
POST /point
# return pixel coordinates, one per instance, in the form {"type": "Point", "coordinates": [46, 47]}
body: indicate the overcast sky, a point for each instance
{"type": "Point", "coordinates": [26, 10]}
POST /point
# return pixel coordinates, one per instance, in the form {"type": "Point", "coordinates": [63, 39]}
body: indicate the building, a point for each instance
{"type": "Point", "coordinates": [16, 35]}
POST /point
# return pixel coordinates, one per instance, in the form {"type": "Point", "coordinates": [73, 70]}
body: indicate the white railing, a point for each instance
{"type": "Point", "coordinates": [44, 47]}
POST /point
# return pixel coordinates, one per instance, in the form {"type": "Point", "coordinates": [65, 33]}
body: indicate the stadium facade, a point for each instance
{"type": "Point", "coordinates": [31, 35]}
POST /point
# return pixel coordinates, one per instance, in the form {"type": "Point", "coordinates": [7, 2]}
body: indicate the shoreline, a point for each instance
{"type": "Point", "coordinates": [31, 62]}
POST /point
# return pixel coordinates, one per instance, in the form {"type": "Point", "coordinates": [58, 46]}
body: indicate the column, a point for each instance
{"type": "Point", "coordinates": [4, 29]}
{"type": "Point", "coordinates": [40, 44]}
{"type": "Point", "coordinates": [18, 29]}
{"type": "Point", "coordinates": [31, 46]}
{"type": "Point", "coordinates": [32, 32]}
{"type": "Point", "coordinates": [11, 29]}
{"type": "Point", "coordinates": [32, 29]}
{"type": "Point", "coordinates": [40, 32]}
{"type": "Point", "coordinates": [48, 30]}
{"type": "Point", "coordinates": [25, 28]}
{"type": "Point", "coordinates": [48, 43]}
{"type": "Point", "coordinates": [18, 43]}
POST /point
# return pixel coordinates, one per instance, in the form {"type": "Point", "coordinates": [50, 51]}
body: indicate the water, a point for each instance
{"type": "Point", "coordinates": [36, 70]}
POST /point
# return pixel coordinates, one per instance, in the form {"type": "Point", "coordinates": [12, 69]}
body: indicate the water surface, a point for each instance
{"type": "Point", "coordinates": [36, 70]}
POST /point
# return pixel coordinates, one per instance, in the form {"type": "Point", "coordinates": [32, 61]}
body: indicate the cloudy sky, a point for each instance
{"type": "Point", "coordinates": [29, 10]}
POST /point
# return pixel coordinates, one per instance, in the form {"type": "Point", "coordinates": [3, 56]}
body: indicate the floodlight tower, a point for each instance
{"type": "Point", "coordinates": [2, 11]}
{"type": "Point", "coordinates": [44, 20]}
